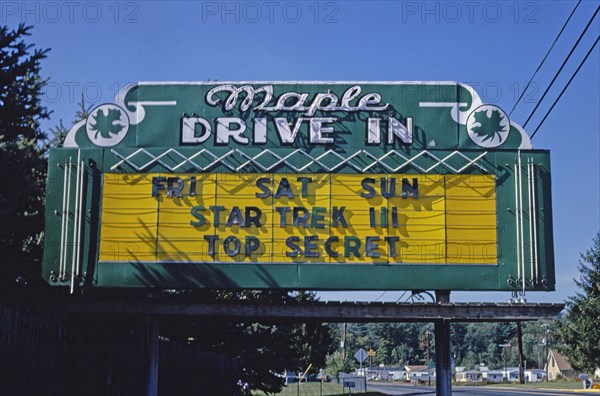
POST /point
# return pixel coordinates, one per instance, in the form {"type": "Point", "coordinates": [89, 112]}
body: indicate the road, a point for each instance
{"type": "Point", "coordinates": [397, 389]}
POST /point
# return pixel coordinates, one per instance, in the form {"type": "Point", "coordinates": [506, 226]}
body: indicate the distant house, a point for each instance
{"type": "Point", "coordinates": [512, 374]}
{"type": "Point", "coordinates": [392, 373]}
{"type": "Point", "coordinates": [535, 375]}
{"type": "Point", "coordinates": [493, 376]}
{"type": "Point", "coordinates": [398, 375]}
{"type": "Point", "coordinates": [386, 373]}
{"type": "Point", "coordinates": [363, 372]}
{"type": "Point", "coordinates": [417, 373]}
{"type": "Point", "coordinates": [289, 376]}
{"type": "Point", "coordinates": [558, 366]}
{"type": "Point", "coordinates": [469, 376]}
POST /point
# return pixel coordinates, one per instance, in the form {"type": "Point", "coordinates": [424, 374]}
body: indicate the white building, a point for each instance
{"type": "Point", "coordinates": [469, 376]}
{"type": "Point", "coordinates": [419, 373]}
{"type": "Point", "coordinates": [493, 376]}
{"type": "Point", "coordinates": [535, 375]}
{"type": "Point", "coordinates": [511, 374]}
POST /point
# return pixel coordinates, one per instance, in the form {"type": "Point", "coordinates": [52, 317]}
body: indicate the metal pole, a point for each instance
{"type": "Point", "coordinates": [443, 369]}
{"type": "Point", "coordinates": [531, 216]}
{"type": "Point", "coordinates": [64, 221]}
{"type": "Point", "coordinates": [428, 359]}
{"type": "Point", "coordinates": [505, 374]}
{"type": "Point", "coordinates": [344, 343]}
{"type": "Point", "coordinates": [534, 214]}
{"type": "Point", "coordinates": [547, 350]}
{"type": "Point", "coordinates": [518, 230]}
{"type": "Point", "coordinates": [522, 241]}
{"type": "Point", "coordinates": [66, 217]}
{"type": "Point", "coordinates": [152, 383]}
{"type": "Point", "coordinates": [75, 222]}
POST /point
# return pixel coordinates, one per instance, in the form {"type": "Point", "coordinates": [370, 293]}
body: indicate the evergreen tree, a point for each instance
{"type": "Point", "coordinates": [22, 161]}
{"type": "Point", "coordinates": [59, 131]}
{"type": "Point", "coordinates": [580, 329]}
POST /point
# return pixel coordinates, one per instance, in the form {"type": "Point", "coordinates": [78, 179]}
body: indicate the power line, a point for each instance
{"type": "Point", "coordinates": [381, 295]}
{"type": "Point", "coordinates": [566, 86]}
{"type": "Point", "coordinates": [400, 298]}
{"type": "Point", "coordinates": [543, 60]}
{"type": "Point", "coordinates": [562, 66]}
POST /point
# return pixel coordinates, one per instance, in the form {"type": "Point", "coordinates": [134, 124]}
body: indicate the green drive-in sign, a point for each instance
{"type": "Point", "coordinates": [300, 185]}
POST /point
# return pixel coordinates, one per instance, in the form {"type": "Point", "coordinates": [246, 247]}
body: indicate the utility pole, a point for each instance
{"type": "Point", "coordinates": [546, 342]}
{"type": "Point", "coordinates": [428, 358]}
{"type": "Point", "coordinates": [344, 342]}
{"type": "Point", "coordinates": [504, 346]}
{"type": "Point", "coordinates": [520, 349]}
{"type": "Point", "coordinates": [427, 335]}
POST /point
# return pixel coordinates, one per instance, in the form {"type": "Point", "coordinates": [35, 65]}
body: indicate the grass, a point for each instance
{"type": "Point", "coordinates": [314, 389]}
{"type": "Point", "coordinates": [569, 385]}
{"type": "Point", "coordinates": [331, 389]}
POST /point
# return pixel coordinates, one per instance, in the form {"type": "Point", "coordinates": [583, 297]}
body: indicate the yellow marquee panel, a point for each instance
{"type": "Point", "coordinates": [451, 221]}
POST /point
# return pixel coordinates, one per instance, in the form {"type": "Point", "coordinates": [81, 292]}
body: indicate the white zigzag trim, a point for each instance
{"type": "Point", "coordinates": [254, 161]}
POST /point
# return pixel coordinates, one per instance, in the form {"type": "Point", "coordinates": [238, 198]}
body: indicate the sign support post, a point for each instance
{"type": "Point", "coordinates": [152, 383]}
{"type": "Point", "coordinates": [360, 355]}
{"type": "Point", "coordinates": [520, 346]}
{"type": "Point", "coordinates": [443, 383]}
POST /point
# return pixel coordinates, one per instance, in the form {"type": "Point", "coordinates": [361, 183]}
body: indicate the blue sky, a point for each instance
{"type": "Point", "coordinates": [98, 47]}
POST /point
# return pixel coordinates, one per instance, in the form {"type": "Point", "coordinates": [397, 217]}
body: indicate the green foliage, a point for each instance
{"type": "Point", "coordinates": [537, 341]}
{"type": "Point", "coordinates": [83, 112]}
{"type": "Point", "coordinates": [393, 343]}
{"type": "Point", "coordinates": [22, 161]}
{"type": "Point", "coordinates": [383, 353]}
{"type": "Point", "coordinates": [336, 364]}
{"type": "Point", "coordinates": [489, 127]}
{"type": "Point", "coordinates": [104, 124]}
{"type": "Point", "coordinates": [476, 343]}
{"type": "Point", "coordinates": [59, 132]}
{"type": "Point", "coordinates": [472, 343]}
{"type": "Point", "coordinates": [580, 329]}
